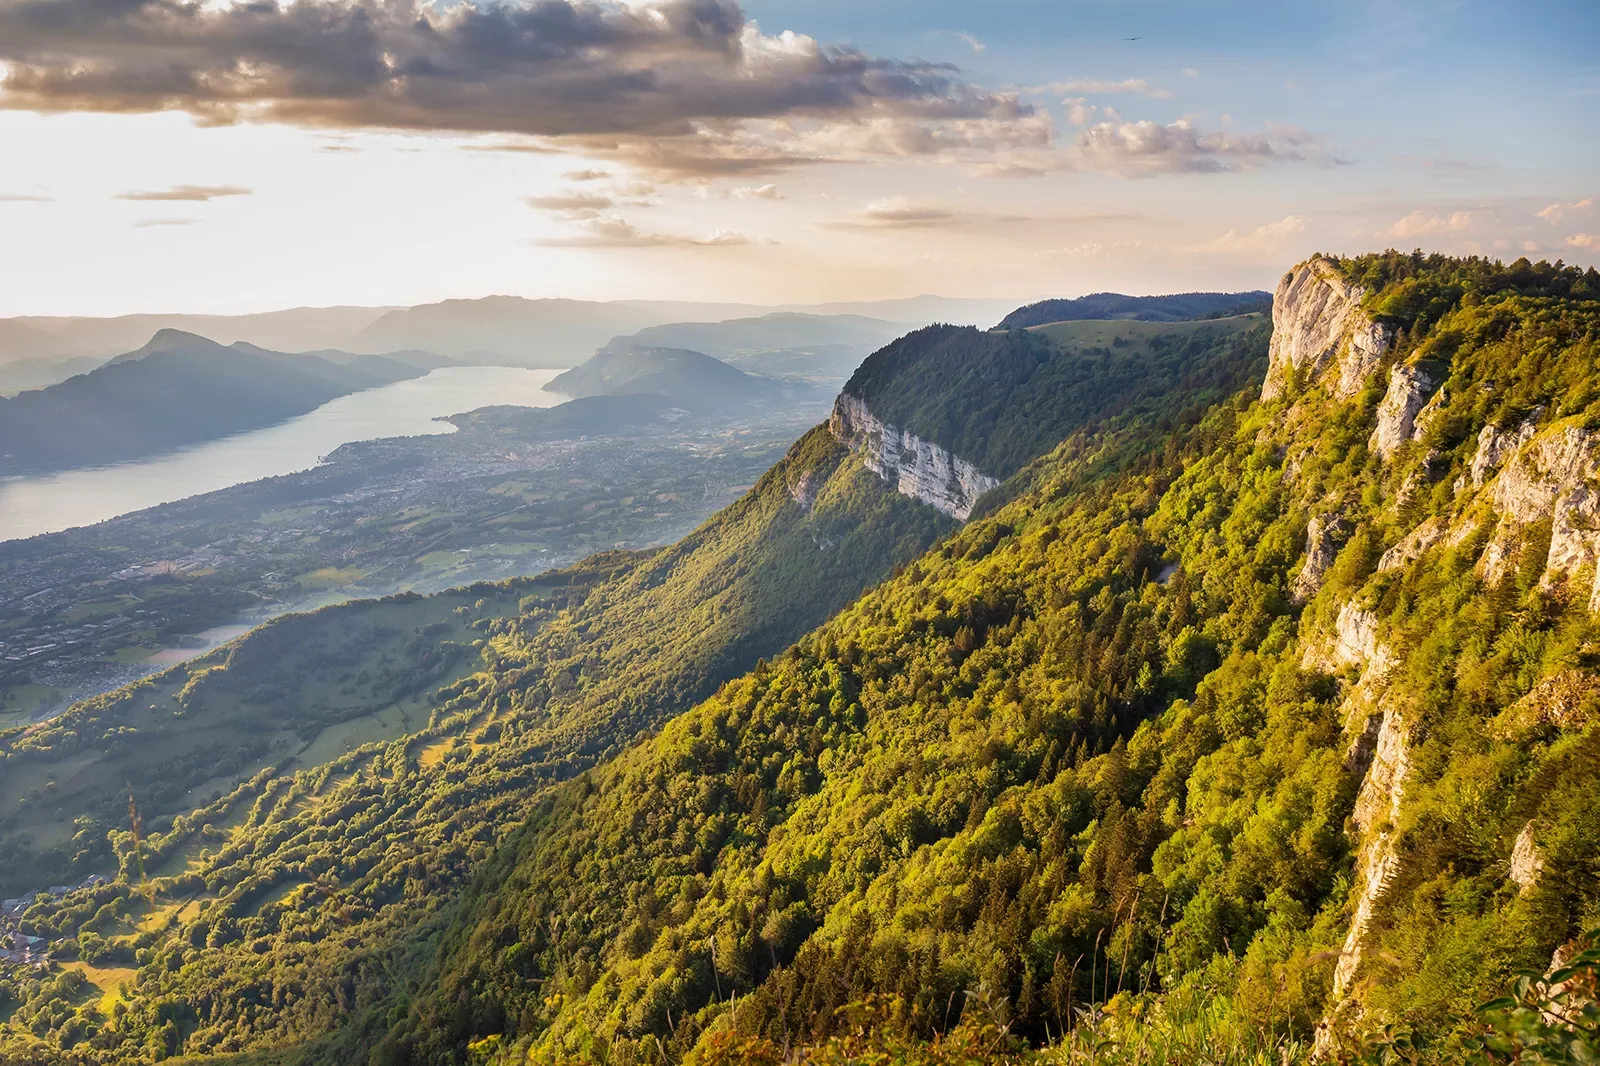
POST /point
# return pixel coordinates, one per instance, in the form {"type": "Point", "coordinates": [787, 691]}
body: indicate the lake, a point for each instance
{"type": "Point", "coordinates": [51, 502]}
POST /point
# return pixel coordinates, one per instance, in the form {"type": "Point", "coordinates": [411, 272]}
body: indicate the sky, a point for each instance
{"type": "Point", "coordinates": [161, 155]}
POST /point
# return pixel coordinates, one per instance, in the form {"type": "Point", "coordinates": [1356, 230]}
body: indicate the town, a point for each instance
{"type": "Point", "coordinates": [90, 609]}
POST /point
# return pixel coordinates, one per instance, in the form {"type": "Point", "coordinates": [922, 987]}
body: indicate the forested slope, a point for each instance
{"type": "Point", "coordinates": [1291, 713]}
{"type": "Point", "coordinates": [1230, 715]}
{"type": "Point", "coordinates": [312, 900]}
{"type": "Point", "coordinates": [297, 903]}
{"type": "Point", "coordinates": [999, 399]}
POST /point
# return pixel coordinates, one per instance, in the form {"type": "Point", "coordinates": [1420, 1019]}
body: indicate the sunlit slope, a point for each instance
{"type": "Point", "coordinates": [1293, 708]}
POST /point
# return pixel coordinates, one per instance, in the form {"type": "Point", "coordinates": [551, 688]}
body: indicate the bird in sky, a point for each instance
{"type": "Point", "coordinates": [1133, 38]}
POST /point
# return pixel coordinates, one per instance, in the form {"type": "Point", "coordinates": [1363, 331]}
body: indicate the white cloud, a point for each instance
{"type": "Point", "coordinates": [1558, 212]}
{"type": "Point", "coordinates": [757, 192]}
{"type": "Point", "coordinates": [972, 42]}
{"type": "Point", "coordinates": [1190, 72]}
{"type": "Point", "coordinates": [189, 193]}
{"type": "Point", "coordinates": [612, 231]}
{"type": "Point", "coordinates": [1079, 111]}
{"type": "Point", "coordinates": [1589, 242]}
{"type": "Point", "coordinates": [1137, 149]}
{"type": "Point", "coordinates": [1428, 224]}
{"type": "Point", "coordinates": [1105, 87]}
{"type": "Point", "coordinates": [1269, 237]}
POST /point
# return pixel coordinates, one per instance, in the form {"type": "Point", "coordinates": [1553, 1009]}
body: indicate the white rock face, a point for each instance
{"type": "Point", "coordinates": [1414, 544]}
{"type": "Point", "coordinates": [1527, 862]}
{"type": "Point", "coordinates": [1376, 813]}
{"type": "Point", "coordinates": [1409, 389]}
{"type": "Point", "coordinates": [1494, 444]}
{"type": "Point", "coordinates": [1551, 476]}
{"type": "Point", "coordinates": [916, 467]}
{"type": "Point", "coordinates": [1317, 320]}
{"type": "Point", "coordinates": [1325, 535]}
{"type": "Point", "coordinates": [1356, 640]}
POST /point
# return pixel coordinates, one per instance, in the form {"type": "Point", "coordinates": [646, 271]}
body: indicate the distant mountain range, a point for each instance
{"type": "Point", "coordinates": [180, 389]}
{"type": "Point", "coordinates": [509, 330]}
{"type": "Point", "coordinates": [818, 349]}
{"type": "Point", "coordinates": [689, 379]}
{"type": "Point", "coordinates": [1179, 307]}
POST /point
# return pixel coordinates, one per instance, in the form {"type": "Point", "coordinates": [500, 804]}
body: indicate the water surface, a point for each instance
{"type": "Point", "coordinates": [50, 502]}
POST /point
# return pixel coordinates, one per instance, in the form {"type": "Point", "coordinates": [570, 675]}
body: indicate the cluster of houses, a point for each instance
{"type": "Point", "coordinates": [19, 949]}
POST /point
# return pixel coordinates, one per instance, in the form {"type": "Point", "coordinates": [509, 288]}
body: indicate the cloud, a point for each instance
{"type": "Point", "coordinates": [1558, 211]}
{"type": "Point", "coordinates": [587, 175]}
{"type": "Point", "coordinates": [147, 223]}
{"type": "Point", "coordinates": [1138, 149]}
{"type": "Point", "coordinates": [897, 212]}
{"type": "Point", "coordinates": [757, 192]}
{"type": "Point", "coordinates": [614, 232]}
{"type": "Point", "coordinates": [1589, 242]}
{"type": "Point", "coordinates": [187, 193]}
{"type": "Point", "coordinates": [1265, 238]}
{"type": "Point", "coordinates": [25, 198]}
{"type": "Point", "coordinates": [1103, 87]}
{"type": "Point", "coordinates": [1428, 224]}
{"type": "Point", "coordinates": [572, 205]}
{"type": "Point", "coordinates": [972, 42]}
{"type": "Point", "coordinates": [1080, 112]}
{"type": "Point", "coordinates": [691, 86]}
{"type": "Point", "coordinates": [1189, 72]}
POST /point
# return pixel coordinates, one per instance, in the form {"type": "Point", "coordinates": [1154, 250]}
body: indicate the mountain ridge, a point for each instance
{"type": "Point", "coordinates": [178, 389]}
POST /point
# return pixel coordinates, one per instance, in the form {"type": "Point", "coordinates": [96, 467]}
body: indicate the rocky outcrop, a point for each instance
{"type": "Point", "coordinates": [1527, 861]}
{"type": "Point", "coordinates": [1414, 544]}
{"type": "Point", "coordinates": [1325, 535]}
{"type": "Point", "coordinates": [1355, 643]}
{"type": "Point", "coordinates": [1494, 444]}
{"type": "Point", "coordinates": [917, 468]}
{"type": "Point", "coordinates": [1568, 700]}
{"type": "Point", "coordinates": [1550, 477]}
{"type": "Point", "coordinates": [1318, 324]}
{"type": "Point", "coordinates": [1409, 389]}
{"type": "Point", "coordinates": [1376, 815]}
{"type": "Point", "coordinates": [804, 490]}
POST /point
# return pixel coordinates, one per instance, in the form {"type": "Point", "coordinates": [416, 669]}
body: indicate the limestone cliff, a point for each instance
{"type": "Point", "coordinates": [917, 468]}
{"type": "Point", "coordinates": [1318, 327]}
{"type": "Point", "coordinates": [1551, 476]}
{"type": "Point", "coordinates": [1409, 390]}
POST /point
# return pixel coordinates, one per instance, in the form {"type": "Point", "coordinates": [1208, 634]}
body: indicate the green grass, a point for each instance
{"type": "Point", "coordinates": [1100, 333]}
{"type": "Point", "coordinates": [22, 703]}
{"type": "Point", "coordinates": [330, 577]}
{"type": "Point", "coordinates": [298, 692]}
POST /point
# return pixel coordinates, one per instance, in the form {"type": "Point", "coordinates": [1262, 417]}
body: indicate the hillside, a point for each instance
{"type": "Point", "coordinates": [178, 389]}
{"type": "Point", "coordinates": [509, 329]}
{"type": "Point", "coordinates": [1293, 715]}
{"type": "Point", "coordinates": [1272, 706]}
{"type": "Point", "coordinates": [820, 349]}
{"type": "Point", "coordinates": [632, 642]}
{"type": "Point", "coordinates": [689, 379]}
{"type": "Point", "coordinates": [998, 399]}
{"type": "Point", "coordinates": [293, 330]}
{"type": "Point", "coordinates": [593, 656]}
{"type": "Point", "coordinates": [1111, 305]}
